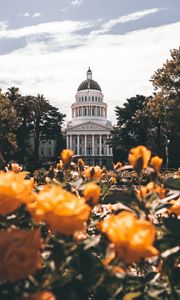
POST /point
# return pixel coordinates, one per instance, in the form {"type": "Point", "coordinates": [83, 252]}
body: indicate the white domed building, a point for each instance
{"type": "Point", "coordinates": [89, 129]}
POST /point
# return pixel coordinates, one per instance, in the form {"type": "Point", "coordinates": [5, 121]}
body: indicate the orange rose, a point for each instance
{"type": "Point", "coordinates": [117, 166]}
{"type": "Point", "coordinates": [16, 167]}
{"type": "Point", "coordinates": [93, 172]}
{"type": "Point", "coordinates": [66, 156]}
{"type": "Point", "coordinates": [133, 239]}
{"type": "Point", "coordinates": [41, 296]}
{"type": "Point", "coordinates": [14, 190]}
{"type": "Point", "coordinates": [59, 165]}
{"type": "Point", "coordinates": [139, 157]}
{"type": "Point", "coordinates": [61, 210]}
{"type": "Point", "coordinates": [81, 164]}
{"type": "Point", "coordinates": [156, 163]}
{"type": "Point", "coordinates": [19, 254]}
{"type": "Point", "coordinates": [151, 187]}
{"type": "Point", "coordinates": [175, 208]}
{"type": "Point", "coordinates": [92, 193]}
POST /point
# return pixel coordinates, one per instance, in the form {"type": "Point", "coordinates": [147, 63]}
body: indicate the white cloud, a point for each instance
{"type": "Point", "coordinates": [122, 64]}
{"type": "Point", "coordinates": [3, 25]}
{"type": "Point", "coordinates": [52, 28]}
{"type": "Point", "coordinates": [65, 9]}
{"type": "Point", "coordinates": [125, 19]}
{"type": "Point", "coordinates": [76, 3]}
{"type": "Point", "coordinates": [37, 14]}
{"type": "Point", "coordinates": [26, 14]}
{"type": "Point", "coordinates": [33, 15]}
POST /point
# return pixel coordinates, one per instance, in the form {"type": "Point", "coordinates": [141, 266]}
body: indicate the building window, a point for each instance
{"type": "Point", "coordinates": [97, 150]}
{"type": "Point", "coordinates": [96, 98]}
{"type": "Point", "coordinates": [93, 112]}
{"type": "Point", "coordinates": [42, 152]}
{"type": "Point", "coordinates": [85, 112]}
{"type": "Point", "coordinates": [92, 98]}
{"type": "Point", "coordinates": [49, 151]}
{"type": "Point", "coordinates": [85, 98]}
{"type": "Point", "coordinates": [89, 98]}
{"type": "Point", "coordinates": [80, 140]}
{"type": "Point", "coordinates": [49, 142]}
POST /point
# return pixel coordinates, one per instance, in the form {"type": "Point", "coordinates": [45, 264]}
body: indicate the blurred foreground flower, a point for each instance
{"type": "Point", "coordinates": [61, 210]}
{"type": "Point", "coordinates": [93, 172]}
{"type": "Point", "coordinates": [139, 157]}
{"type": "Point", "coordinates": [14, 190]}
{"type": "Point", "coordinates": [66, 156]}
{"type": "Point", "coordinates": [175, 208]}
{"type": "Point", "coordinates": [156, 163]}
{"type": "Point", "coordinates": [16, 167]}
{"type": "Point", "coordinates": [133, 239]}
{"type": "Point", "coordinates": [117, 166]}
{"type": "Point", "coordinates": [19, 254]}
{"type": "Point", "coordinates": [92, 193]}
{"type": "Point", "coordinates": [40, 296]}
{"type": "Point", "coordinates": [151, 187]}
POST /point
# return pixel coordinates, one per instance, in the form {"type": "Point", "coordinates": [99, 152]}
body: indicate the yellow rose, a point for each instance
{"type": "Point", "coordinates": [151, 187]}
{"type": "Point", "coordinates": [66, 156]}
{"type": "Point", "coordinates": [156, 163]}
{"type": "Point", "coordinates": [133, 239]}
{"type": "Point", "coordinates": [139, 157]}
{"type": "Point", "coordinates": [92, 193]}
{"type": "Point", "coordinates": [19, 254]}
{"type": "Point", "coordinates": [14, 190]}
{"type": "Point", "coordinates": [93, 172]}
{"type": "Point", "coordinates": [61, 210]}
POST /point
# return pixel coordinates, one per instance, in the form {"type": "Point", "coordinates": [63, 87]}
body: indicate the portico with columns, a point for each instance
{"type": "Point", "coordinates": [89, 130]}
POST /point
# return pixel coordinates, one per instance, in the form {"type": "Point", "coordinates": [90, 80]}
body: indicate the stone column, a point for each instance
{"type": "Point", "coordinates": [93, 145]}
{"type": "Point", "coordinates": [70, 143]}
{"type": "Point", "coordinates": [67, 141]}
{"type": "Point", "coordinates": [100, 145]}
{"type": "Point", "coordinates": [77, 144]}
{"type": "Point", "coordinates": [107, 148]}
{"type": "Point", "coordinates": [85, 145]}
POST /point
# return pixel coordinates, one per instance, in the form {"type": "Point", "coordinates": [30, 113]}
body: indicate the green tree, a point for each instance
{"type": "Point", "coordinates": [8, 123]}
{"type": "Point", "coordinates": [46, 123]}
{"type": "Point", "coordinates": [131, 128]}
{"type": "Point", "coordinates": [166, 81]}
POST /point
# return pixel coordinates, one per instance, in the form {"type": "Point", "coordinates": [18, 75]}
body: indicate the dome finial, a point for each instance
{"type": "Point", "coordinates": [89, 74]}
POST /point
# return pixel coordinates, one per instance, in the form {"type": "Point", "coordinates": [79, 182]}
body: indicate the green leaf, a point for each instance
{"type": "Point", "coordinates": [172, 224]}
{"type": "Point", "coordinates": [172, 183]}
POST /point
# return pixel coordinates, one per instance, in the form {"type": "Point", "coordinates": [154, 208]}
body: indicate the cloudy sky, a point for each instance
{"type": "Point", "coordinates": [46, 46]}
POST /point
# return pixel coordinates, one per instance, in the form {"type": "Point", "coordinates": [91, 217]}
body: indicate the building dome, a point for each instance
{"type": "Point", "coordinates": [89, 83]}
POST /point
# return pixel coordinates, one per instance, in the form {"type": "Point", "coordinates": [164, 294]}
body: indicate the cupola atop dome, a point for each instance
{"type": "Point", "coordinates": [89, 83]}
{"type": "Point", "coordinates": [89, 74]}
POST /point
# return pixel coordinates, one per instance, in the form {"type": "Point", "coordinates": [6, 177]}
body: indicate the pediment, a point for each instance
{"type": "Point", "coordinates": [89, 126]}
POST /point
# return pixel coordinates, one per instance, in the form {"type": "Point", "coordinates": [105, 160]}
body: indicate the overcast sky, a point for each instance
{"type": "Point", "coordinates": [46, 46]}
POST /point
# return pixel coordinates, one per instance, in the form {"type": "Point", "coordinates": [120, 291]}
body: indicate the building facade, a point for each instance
{"type": "Point", "coordinates": [88, 131]}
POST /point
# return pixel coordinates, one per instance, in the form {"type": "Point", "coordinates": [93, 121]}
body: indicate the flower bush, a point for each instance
{"type": "Point", "coordinates": [89, 233]}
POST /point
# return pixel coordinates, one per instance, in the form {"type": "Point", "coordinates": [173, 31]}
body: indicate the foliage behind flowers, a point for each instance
{"type": "Point", "coordinates": [91, 234]}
